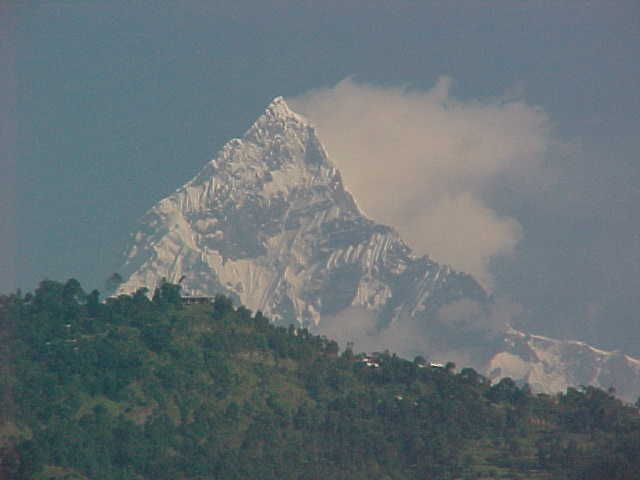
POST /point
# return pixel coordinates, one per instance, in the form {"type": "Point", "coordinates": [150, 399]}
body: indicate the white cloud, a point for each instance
{"type": "Point", "coordinates": [426, 163]}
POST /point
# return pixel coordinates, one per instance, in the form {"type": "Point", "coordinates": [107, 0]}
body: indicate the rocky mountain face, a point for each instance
{"type": "Point", "coordinates": [551, 365]}
{"type": "Point", "coordinates": [269, 222]}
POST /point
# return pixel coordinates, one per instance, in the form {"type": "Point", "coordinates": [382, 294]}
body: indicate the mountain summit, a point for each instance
{"type": "Point", "coordinates": [269, 222]}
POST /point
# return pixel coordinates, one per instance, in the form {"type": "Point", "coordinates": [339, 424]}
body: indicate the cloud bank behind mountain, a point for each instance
{"type": "Point", "coordinates": [426, 163]}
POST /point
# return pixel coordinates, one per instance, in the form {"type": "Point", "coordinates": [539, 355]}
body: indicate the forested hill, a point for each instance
{"type": "Point", "coordinates": [134, 388]}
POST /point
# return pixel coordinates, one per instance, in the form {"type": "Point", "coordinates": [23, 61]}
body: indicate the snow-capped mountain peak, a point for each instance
{"type": "Point", "coordinates": [278, 109]}
{"type": "Point", "coordinates": [269, 222]}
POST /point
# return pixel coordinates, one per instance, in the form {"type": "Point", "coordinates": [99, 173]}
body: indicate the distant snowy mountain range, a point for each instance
{"type": "Point", "coordinates": [270, 223]}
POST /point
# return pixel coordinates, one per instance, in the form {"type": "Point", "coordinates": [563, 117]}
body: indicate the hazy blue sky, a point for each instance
{"type": "Point", "coordinates": [109, 106]}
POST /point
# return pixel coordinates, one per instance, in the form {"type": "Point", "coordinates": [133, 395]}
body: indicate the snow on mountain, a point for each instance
{"type": "Point", "coordinates": [551, 365]}
{"type": "Point", "coordinates": [269, 222]}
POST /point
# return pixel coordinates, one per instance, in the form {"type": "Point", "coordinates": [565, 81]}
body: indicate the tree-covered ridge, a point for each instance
{"type": "Point", "coordinates": [137, 388]}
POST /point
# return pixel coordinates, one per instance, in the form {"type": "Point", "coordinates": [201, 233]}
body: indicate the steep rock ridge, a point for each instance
{"type": "Point", "coordinates": [269, 222]}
